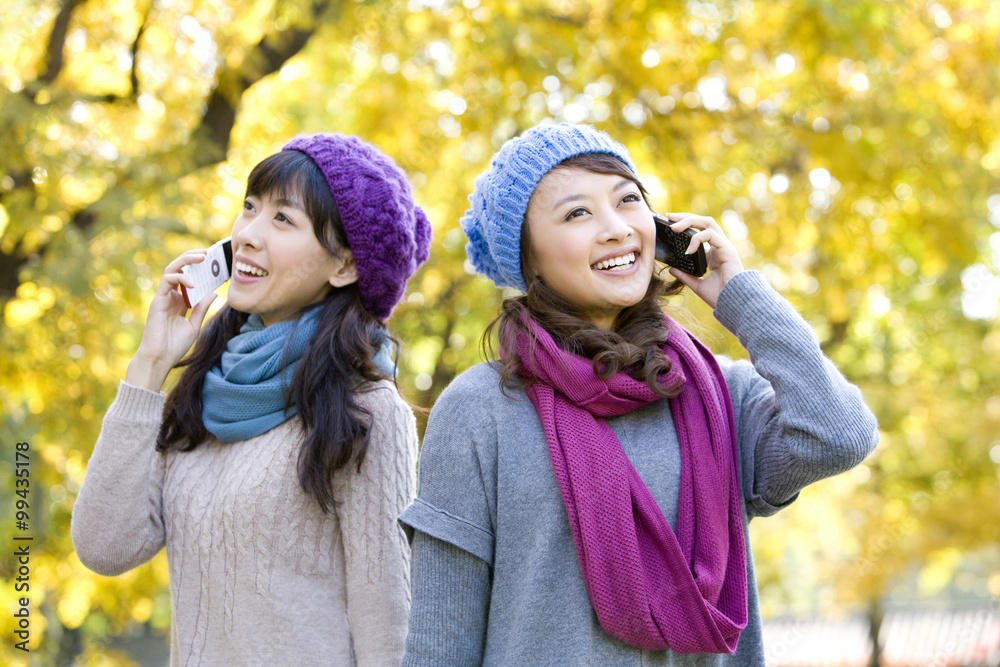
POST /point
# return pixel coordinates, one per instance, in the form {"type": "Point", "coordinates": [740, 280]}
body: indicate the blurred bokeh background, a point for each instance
{"type": "Point", "coordinates": [851, 150]}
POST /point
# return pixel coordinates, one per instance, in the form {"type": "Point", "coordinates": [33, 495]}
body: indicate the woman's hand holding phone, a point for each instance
{"type": "Point", "coordinates": [723, 259]}
{"type": "Point", "coordinates": [169, 332]}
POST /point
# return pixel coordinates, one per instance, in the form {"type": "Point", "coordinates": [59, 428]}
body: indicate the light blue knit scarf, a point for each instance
{"type": "Point", "coordinates": [244, 395]}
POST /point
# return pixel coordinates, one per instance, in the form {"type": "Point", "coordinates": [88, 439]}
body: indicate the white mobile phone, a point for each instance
{"type": "Point", "coordinates": [209, 274]}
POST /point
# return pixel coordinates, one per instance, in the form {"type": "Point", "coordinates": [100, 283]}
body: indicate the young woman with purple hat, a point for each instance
{"type": "Point", "coordinates": [274, 471]}
{"type": "Point", "coordinates": [585, 499]}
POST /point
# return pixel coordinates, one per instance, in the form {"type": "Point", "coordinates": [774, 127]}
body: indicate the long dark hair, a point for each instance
{"type": "Point", "coordinates": [633, 343]}
{"type": "Point", "coordinates": [335, 366]}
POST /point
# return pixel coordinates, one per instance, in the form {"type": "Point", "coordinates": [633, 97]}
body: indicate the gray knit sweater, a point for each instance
{"type": "Point", "coordinates": [496, 577]}
{"type": "Point", "coordinates": [259, 575]}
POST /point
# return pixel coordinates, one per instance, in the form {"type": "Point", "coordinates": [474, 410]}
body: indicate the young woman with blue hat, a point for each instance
{"type": "Point", "coordinates": [275, 469]}
{"type": "Point", "coordinates": [585, 499]}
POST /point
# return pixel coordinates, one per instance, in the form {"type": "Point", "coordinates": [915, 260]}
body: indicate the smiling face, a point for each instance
{"type": "Point", "coordinates": [279, 264]}
{"type": "Point", "coordinates": [591, 238]}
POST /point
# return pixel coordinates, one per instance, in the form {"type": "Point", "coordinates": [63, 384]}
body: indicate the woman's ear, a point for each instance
{"type": "Point", "coordinates": [346, 271]}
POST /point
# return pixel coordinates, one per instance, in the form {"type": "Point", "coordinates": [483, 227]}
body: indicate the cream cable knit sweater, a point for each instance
{"type": "Point", "coordinates": [259, 575]}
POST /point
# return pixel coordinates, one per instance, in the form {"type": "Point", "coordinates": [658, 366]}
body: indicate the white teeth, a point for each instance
{"type": "Point", "coordinates": [616, 261]}
{"type": "Point", "coordinates": [252, 270]}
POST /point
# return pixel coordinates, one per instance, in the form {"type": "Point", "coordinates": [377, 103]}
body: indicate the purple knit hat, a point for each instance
{"type": "Point", "coordinates": [388, 234]}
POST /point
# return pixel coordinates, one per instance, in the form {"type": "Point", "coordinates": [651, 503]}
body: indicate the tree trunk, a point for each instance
{"type": "Point", "coordinates": [875, 614]}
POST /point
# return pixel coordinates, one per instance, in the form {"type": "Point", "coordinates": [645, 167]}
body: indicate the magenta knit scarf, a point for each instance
{"type": "Point", "coordinates": [651, 587]}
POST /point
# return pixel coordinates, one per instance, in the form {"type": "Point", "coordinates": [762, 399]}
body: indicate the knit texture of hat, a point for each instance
{"type": "Point", "coordinates": [389, 236]}
{"type": "Point", "coordinates": [501, 194]}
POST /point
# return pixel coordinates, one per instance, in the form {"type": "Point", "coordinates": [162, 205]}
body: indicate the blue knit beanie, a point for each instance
{"type": "Point", "coordinates": [501, 194]}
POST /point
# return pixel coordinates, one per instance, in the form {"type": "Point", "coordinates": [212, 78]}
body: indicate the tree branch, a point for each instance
{"type": "Point", "coordinates": [57, 42]}
{"type": "Point", "coordinates": [268, 56]}
{"type": "Point", "coordinates": [134, 71]}
{"type": "Point", "coordinates": [208, 143]}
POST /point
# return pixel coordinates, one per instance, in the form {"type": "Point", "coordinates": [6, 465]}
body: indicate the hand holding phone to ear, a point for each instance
{"type": "Point", "coordinates": [169, 332]}
{"type": "Point", "coordinates": [209, 274]}
{"type": "Point", "coordinates": [723, 259]}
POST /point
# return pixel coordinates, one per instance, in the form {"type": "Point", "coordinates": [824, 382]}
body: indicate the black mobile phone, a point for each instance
{"type": "Point", "coordinates": [210, 273]}
{"type": "Point", "coordinates": [670, 247]}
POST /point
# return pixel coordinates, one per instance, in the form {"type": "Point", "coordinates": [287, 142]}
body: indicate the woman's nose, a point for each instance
{"type": "Point", "coordinates": [249, 233]}
{"type": "Point", "coordinates": [614, 227]}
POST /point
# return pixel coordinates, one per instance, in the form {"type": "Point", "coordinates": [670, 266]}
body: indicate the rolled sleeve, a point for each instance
{"type": "Point", "coordinates": [456, 497]}
{"type": "Point", "coordinates": [438, 523]}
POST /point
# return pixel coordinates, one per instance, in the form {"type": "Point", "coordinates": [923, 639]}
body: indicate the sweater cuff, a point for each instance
{"type": "Point", "coordinates": [136, 405]}
{"type": "Point", "coordinates": [451, 593]}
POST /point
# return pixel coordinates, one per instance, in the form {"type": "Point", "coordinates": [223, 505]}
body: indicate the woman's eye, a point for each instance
{"type": "Point", "coordinates": [281, 217]}
{"type": "Point", "coordinates": [247, 205]}
{"type": "Point", "coordinates": [630, 197]}
{"type": "Point", "coordinates": [576, 213]}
